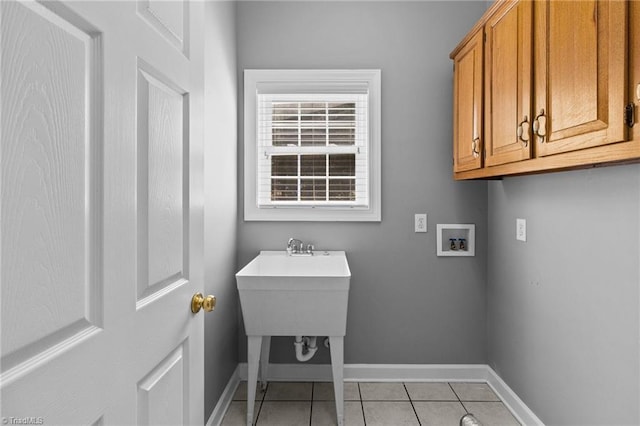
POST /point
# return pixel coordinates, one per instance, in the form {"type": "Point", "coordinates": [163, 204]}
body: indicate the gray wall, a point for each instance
{"type": "Point", "coordinates": [221, 338]}
{"type": "Point", "coordinates": [406, 305]}
{"type": "Point", "coordinates": [563, 308]}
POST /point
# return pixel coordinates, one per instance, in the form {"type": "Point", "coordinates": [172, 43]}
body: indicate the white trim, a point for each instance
{"type": "Point", "coordinates": [225, 399]}
{"type": "Point", "coordinates": [375, 372]}
{"type": "Point", "coordinates": [519, 409]}
{"type": "Point", "coordinates": [415, 372]}
{"type": "Point", "coordinates": [384, 373]}
{"type": "Point", "coordinates": [327, 80]}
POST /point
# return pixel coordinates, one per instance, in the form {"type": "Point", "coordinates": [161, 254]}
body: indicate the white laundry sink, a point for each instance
{"type": "Point", "coordinates": [283, 295]}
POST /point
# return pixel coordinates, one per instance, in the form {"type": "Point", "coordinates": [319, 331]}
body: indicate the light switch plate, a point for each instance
{"type": "Point", "coordinates": [521, 229]}
{"type": "Point", "coordinates": [420, 222]}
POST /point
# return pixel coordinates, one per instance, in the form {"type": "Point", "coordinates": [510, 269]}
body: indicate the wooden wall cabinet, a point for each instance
{"type": "Point", "coordinates": [508, 84]}
{"type": "Point", "coordinates": [634, 68]}
{"type": "Point", "coordinates": [467, 105]}
{"type": "Point", "coordinates": [581, 76]}
{"type": "Point", "coordinates": [557, 78]}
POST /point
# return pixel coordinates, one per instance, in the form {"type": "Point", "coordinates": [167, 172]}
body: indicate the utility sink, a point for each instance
{"type": "Point", "coordinates": [284, 295]}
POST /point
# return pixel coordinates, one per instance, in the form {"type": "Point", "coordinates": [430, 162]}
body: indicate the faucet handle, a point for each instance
{"type": "Point", "coordinates": [310, 248]}
{"type": "Point", "coordinates": [294, 245]}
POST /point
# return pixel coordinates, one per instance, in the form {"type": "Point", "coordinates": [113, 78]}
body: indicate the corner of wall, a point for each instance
{"type": "Point", "coordinates": [220, 203]}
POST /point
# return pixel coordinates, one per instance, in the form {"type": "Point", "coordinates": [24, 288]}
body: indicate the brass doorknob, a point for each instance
{"type": "Point", "coordinates": [198, 301]}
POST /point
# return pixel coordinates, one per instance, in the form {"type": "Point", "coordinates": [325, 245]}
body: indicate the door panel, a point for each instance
{"type": "Point", "coordinates": [51, 240]}
{"type": "Point", "coordinates": [101, 213]}
{"type": "Point", "coordinates": [162, 141]}
{"type": "Point", "coordinates": [170, 18]}
{"type": "Point", "coordinates": [508, 83]}
{"type": "Point", "coordinates": [504, 83]}
{"type": "Point", "coordinates": [581, 74]}
{"type": "Point", "coordinates": [634, 54]}
{"type": "Point", "coordinates": [580, 93]}
{"type": "Point", "coordinates": [467, 114]}
{"type": "Point", "coordinates": [162, 393]}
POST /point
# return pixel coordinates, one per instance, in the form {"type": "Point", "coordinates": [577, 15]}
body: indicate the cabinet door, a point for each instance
{"type": "Point", "coordinates": [508, 84]}
{"type": "Point", "coordinates": [634, 56]}
{"type": "Point", "coordinates": [467, 106]}
{"type": "Point", "coordinates": [580, 83]}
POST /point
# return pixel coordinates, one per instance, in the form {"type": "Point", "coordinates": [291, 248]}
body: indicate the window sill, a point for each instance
{"type": "Point", "coordinates": [311, 214]}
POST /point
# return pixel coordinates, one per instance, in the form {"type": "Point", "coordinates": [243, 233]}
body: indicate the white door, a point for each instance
{"type": "Point", "coordinates": [101, 213]}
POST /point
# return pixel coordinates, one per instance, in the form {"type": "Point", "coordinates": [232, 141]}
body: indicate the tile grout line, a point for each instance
{"type": "Point", "coordinates": [458, 396]}
{"type": "Point", "coordinates": [313, 388]}
{"type": "Point", "coordinates": [264, 394]}
{"type": "Point", "coordinates": [364, 420]}
{"type": "Point", "coordinates": [404, 385]}
{"type": "Point", "coordinates": [259, 411]}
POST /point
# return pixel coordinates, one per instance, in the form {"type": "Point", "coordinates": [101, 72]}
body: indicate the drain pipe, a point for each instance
{"type": "Point", "coordinates": [305, 347]}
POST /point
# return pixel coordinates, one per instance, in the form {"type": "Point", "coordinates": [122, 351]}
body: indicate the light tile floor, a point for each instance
{"type": "Point", "coordinates": [370, 404]}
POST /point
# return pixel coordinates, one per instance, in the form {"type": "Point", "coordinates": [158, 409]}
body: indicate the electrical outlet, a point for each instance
{"type": "Point", "coordinates": [420, 222]}
{"type": "Point", "coordinates": [521, 229]}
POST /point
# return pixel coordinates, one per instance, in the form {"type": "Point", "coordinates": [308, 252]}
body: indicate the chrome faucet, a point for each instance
{"type": "Point", "coordinates": [297, 248]}
{"type": "Point", "coordinates": [294, 246]}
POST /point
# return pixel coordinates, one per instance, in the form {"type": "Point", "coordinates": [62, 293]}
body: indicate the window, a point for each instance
{"type": "Point", "coordinates": [312, 150]}
{"type": "Point", "coordinates": [312, 145]}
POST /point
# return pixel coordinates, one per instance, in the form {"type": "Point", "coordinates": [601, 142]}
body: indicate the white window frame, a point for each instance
{"type": "Point", "coordinates": [309, 82]}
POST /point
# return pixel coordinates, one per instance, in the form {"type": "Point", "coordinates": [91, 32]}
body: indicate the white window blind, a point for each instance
{"type": "Point", "coordinates": [312, 149]}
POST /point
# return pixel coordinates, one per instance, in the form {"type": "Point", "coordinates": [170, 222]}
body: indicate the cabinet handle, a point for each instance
{"type": "Point", "coordinates": [521, 131]}
{"type": "Point", "coordinates": [474, 148]}
{"type": "Point", "coordinates": [540, 129]}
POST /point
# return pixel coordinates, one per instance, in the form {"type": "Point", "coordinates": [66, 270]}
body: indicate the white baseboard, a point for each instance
{"type": "Point", "coordinates": [227, 396]}
{"type": "Point", "coordinates": [415, 373]}
{"type": "Point", "coordinates": [384, 373]}
{"type": "Point", "coordinates": [524, 415]}
{"type": "Point", "coordinates": [374, 372]}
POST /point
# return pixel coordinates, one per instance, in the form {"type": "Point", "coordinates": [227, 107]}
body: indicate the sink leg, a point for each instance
{"type": "Point", "coordinates": [264, 361]}
{"type": "Point", "coordinates": [336, 343]}
{"type": "Point", "coordinates": [253, 356]}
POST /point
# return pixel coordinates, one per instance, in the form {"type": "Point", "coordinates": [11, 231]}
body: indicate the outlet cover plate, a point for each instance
{"type": "Point", "coordinates": [521, 229]}
{"type": "Point", "coordinates": [420, 222]}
